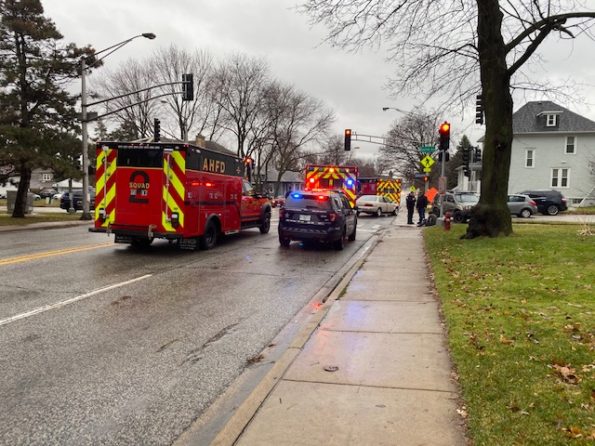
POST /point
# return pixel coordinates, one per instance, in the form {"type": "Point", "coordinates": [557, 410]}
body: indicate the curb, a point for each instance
{"type": "Point", "coordinates": [45, 225]}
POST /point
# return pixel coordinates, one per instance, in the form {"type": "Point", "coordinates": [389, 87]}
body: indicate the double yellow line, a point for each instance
{"type": "Point", "coordinates": [54, 253]}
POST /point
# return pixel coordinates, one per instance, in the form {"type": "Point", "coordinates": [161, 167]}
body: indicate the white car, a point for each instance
{"type": "Point", "coordinates": [57, 196]}
{"type": "Point", "coordinates": [376, 205]}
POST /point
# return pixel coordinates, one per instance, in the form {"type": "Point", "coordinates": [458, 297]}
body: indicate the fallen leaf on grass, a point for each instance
{"type": "Point", "coordinates": [567, 374]}
{"type": "Point", "coordinates": [505, 340]}
{"type": "Point", "coordinates": [573, 432]}
{"type": "Point", "coordinates": [463, 412]}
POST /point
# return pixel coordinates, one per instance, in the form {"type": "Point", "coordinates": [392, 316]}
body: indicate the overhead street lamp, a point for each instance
{"type": "Point", "coordinates": [84, 135]}
{"type": "Point", "coordinates": [394, 108]}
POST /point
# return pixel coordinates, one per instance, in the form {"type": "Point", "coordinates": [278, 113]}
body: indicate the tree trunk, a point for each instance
{"type": "Point", "coordinates": [492, 217]}
{"type": "Point", "coordinates": [20, 205]}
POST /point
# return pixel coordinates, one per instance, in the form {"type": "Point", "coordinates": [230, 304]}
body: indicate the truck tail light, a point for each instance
{"type": "Point", "coordinates": [102, 214]}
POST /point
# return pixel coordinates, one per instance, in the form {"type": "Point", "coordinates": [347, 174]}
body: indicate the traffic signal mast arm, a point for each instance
{"type": "Point", "coordinates": [136, 103]}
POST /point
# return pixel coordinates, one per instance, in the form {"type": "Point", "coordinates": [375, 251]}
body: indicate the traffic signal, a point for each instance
{"type": "Point", "coordinates": [477, 155]}
{"type": "Point", "coordinates": [156, 130]}
{"type": "Point", "coordinates": [347, 139]}
{"type": "Point", "coordinates": [444, 132]}
{"type": "Point", "coordinates": [479, 109]}
{"type": "Point", "coordinates": [446, 158]}
{"type": "Point", "coordinates": [467, 172]}
{"type": "Point", "coordinates": [426, 178]}
{"type": "Point", "coordinates": [188, 87]}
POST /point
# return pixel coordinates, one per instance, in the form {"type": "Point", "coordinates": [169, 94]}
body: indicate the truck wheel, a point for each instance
{"type": "Point", "coordinates": [209, 238]}
{"type": "Point", "coordinates": [284, 241]}
{"type": "Point", "coordinates": [379, 212]}
{"type": "Point", "coordinates": [340, 242]}
{"type": "Point", "coordinates": [458, 217]}
{"type": "Point", "coordinates": [266, 223]}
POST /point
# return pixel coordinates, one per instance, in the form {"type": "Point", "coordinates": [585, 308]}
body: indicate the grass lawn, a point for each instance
{"type": "Point", "coordinates": [590, 210]}
{"type": "Point", "coordinates": [520, 312]}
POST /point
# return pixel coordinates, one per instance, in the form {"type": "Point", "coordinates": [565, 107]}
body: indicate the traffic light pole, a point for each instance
{"type": "Point", "coordinates": [442, 169]}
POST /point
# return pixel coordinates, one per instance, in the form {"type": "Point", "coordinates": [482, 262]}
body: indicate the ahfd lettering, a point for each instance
{"type": "Point", "coordinates": [214, 166]}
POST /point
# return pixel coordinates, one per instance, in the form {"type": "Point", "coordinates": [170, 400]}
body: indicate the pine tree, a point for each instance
{"type": "Point", "coordinates": [38, 122]}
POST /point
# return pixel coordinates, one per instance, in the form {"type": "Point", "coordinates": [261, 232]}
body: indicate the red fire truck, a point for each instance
{"type": "Point", "coordinates": [173, 191]}
{"type": "Point", "coordinates": [329, 177]}
{"type": "Point", "coordinates": [389, 188]}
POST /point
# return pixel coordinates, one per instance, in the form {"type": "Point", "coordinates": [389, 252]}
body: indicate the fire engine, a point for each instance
{"type": "Point", "coordinates": [174, 191]}
{"type": "Point", "coordinates": [329, 177]}
{"type": "Point", "coordinates": [390, 188]}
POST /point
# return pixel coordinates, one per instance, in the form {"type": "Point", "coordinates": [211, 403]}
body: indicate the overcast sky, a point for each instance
{"type": "Point", "coordinates": [351, 84]}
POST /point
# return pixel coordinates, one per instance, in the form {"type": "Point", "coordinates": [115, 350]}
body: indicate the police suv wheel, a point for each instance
{"type": "Point", "coordinates": [284, 241]}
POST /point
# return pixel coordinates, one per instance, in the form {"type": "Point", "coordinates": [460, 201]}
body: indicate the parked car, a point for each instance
{"type": "Point", "coordinates": [521, 205]}
{"type": "Point", "coordinates": [47, 193]}
{"type": "Point", "coordinates": [57, 196]}
{"type": "Point", "coordinates": [376, 205]}
{"type": "Point", "coordinates": [319, 216]}
{"type": "Point", "coordinates": [549, 202]}
{"type": "Point", "coordinates": [78, 200]}
{"type": "Point", "coordinates": [459, 205]}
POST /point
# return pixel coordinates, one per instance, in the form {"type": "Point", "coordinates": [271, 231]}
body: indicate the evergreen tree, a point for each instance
{"type": "Point", "coordinates": [38, 122]}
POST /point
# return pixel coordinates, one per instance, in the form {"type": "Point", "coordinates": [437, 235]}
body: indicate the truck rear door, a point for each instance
{"type": "Point", "coordinates": [150, 188]}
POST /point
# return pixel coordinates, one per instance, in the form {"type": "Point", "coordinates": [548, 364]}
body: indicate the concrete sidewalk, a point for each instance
{"type": "Point", "coordinates": [375, 371]}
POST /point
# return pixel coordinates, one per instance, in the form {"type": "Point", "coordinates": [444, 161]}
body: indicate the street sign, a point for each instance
{"type": "Point", "coordinates": [427, 169]}
{"type": "Point", "coordinates": [427, 161]}
{"type": "Point", "coordinates": [427, 150]}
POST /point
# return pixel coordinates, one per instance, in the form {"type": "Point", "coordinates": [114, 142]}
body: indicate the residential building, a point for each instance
{"type": "Point", "coordinates": [553, 148]}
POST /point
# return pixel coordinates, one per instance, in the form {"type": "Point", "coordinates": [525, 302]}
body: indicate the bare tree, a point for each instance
{"type": "Point", "coordinates": [202, 115]}
{"type": "Point", "coordinates": [403, 140]}
{"type": "Point", "coordinates": [458, 48]}
{"type": "Point", "coordinates": [138, 109]}
{"type": "Point", "coordinates": [237, 88]}
{"type": "Point", "coordinates": [296, 121]}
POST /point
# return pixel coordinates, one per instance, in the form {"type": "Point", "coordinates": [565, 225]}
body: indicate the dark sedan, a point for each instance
{"type": "Point", "coordinates": [78, 200]}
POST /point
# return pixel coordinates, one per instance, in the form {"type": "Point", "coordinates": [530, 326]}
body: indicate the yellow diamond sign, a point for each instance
{"type": "Point", "coordinates": [427, 161]}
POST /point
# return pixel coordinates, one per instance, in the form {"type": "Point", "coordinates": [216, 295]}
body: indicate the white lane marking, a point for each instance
{"type": "Point", "coordinates": [68, 301]}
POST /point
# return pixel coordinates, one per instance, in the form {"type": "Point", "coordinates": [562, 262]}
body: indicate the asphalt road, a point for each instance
{"type": "Point", "coordinates": [102, 344]}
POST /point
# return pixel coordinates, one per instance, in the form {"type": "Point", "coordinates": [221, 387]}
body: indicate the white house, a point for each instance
{"type": "Point", "coordinates": [553, 148]}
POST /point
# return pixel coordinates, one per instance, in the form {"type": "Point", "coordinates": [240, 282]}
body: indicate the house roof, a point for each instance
{"type": "Point", "coordinates": [531, 118]}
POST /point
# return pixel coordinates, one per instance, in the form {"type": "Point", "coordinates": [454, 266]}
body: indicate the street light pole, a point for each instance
{"type": "Point", "coordinates": [84, 136]}
{"type": "Point", "coordinates": [84, 131]}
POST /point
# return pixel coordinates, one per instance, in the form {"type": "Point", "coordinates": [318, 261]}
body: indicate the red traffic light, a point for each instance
{"type": "Point", "coordinates": [426, 178]}
{"type": "Point", "coordinates": [444, 140]}
{"type": "Point", "coordinates": [347, 139]}
{"type": "Point", "coordinates": [444, 128]}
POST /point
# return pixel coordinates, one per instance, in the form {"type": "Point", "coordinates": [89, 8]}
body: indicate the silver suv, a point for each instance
{"type": "Point", "coordinates": [459, 205]}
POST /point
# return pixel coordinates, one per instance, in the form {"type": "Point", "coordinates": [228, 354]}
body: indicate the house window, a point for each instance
{"type": "Point", "coordinates": [529, 158]}
{"type": "Point", "coordinates": [551, 120]}
{"type": "Point", "coordinates": [45, 177]}
{"type": "Point", "coordinates": [560, 177]}
{"type": "Point", "coordinates": [570, 144]}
